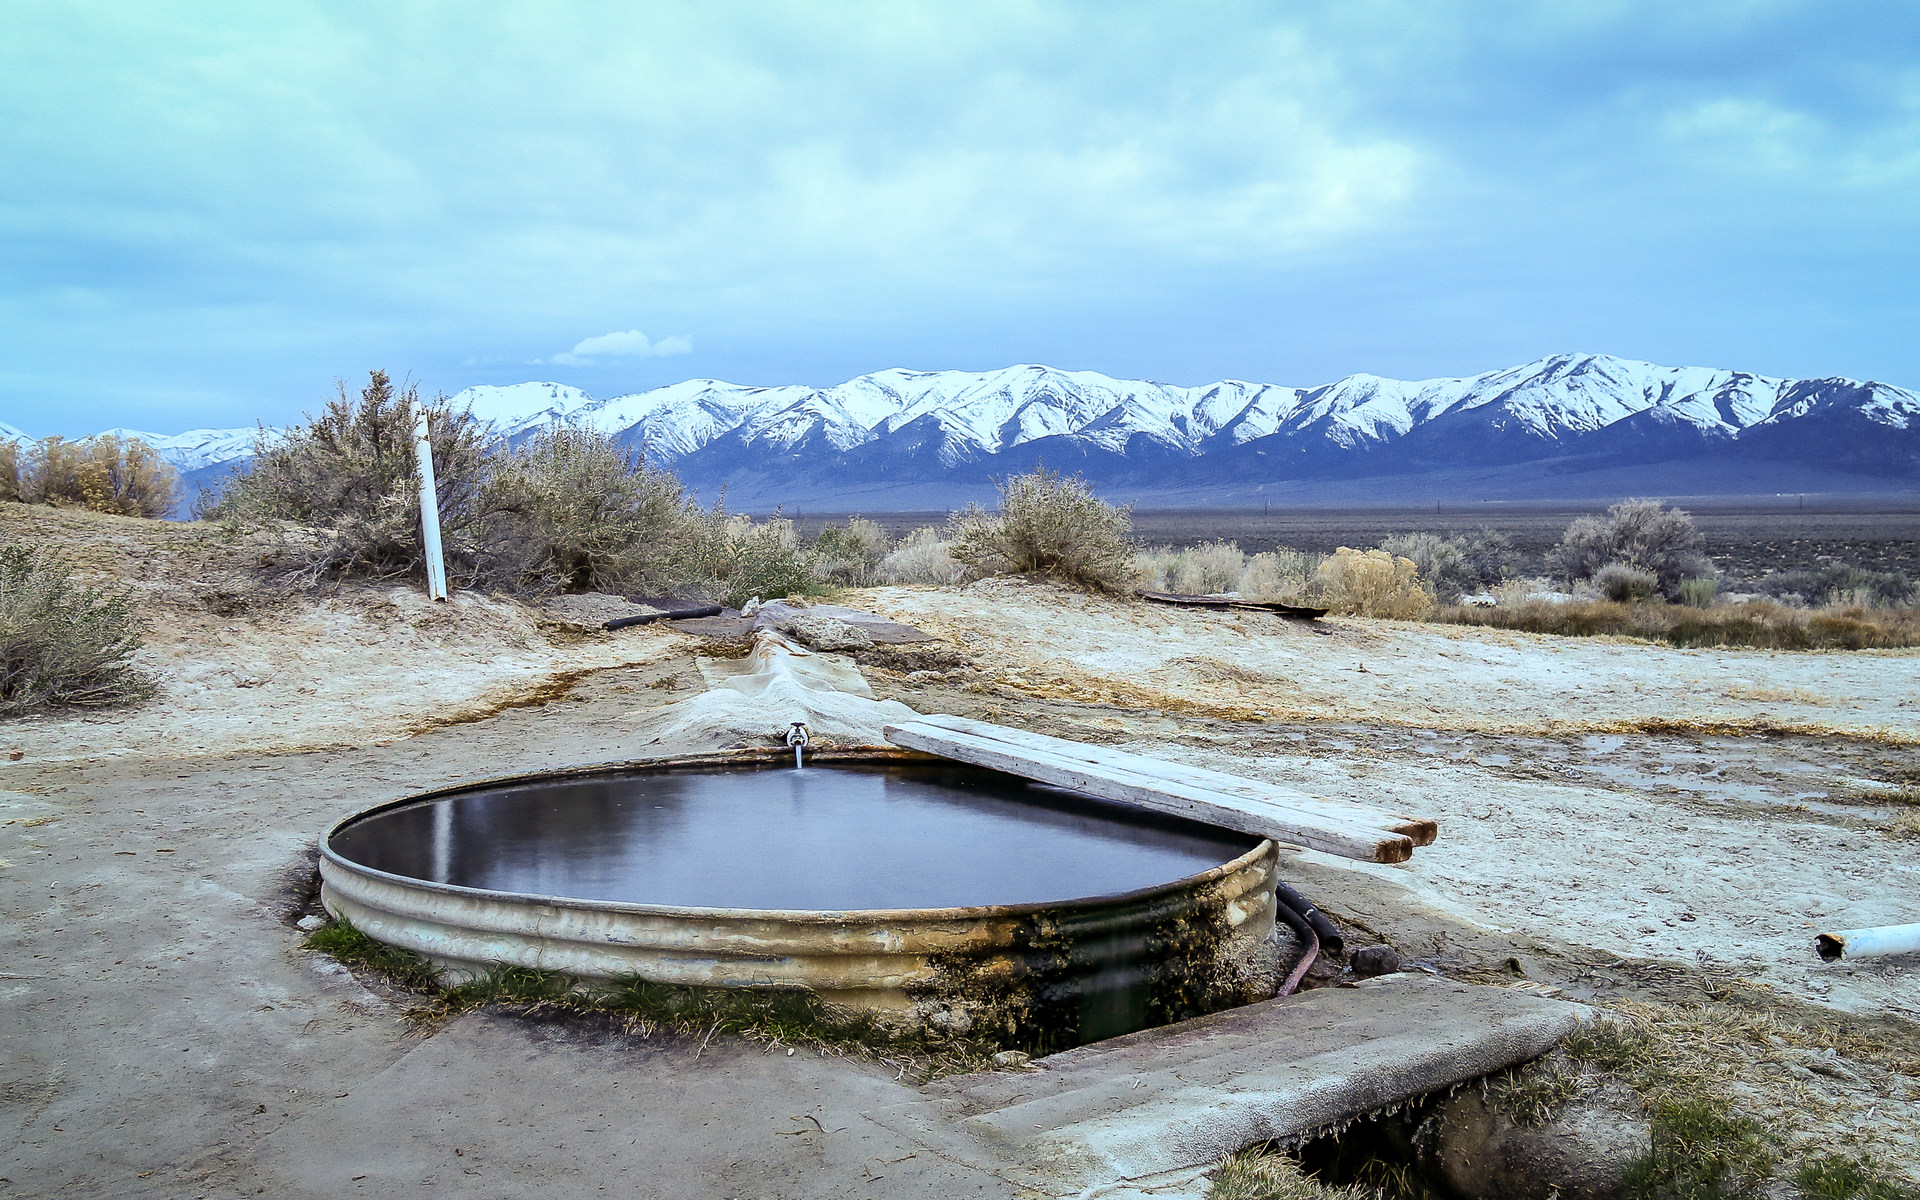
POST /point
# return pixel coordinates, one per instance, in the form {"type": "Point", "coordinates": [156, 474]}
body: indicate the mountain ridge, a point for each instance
{"type": "Point", "coordinates": [897, 429]}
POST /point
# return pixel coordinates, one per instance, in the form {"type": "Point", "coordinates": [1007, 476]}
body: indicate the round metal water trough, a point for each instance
{"type": "Point", "coordinates": [578, 872]}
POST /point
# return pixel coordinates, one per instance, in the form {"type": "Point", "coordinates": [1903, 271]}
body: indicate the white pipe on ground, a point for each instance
{"type": "Point", "coordinates": [1865, 943]}
{"type": "Point", "coordinates": [429, 509]}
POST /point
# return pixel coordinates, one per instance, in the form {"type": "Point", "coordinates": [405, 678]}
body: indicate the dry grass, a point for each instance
{"type": "Point", "coordinates": [1048, 681]}
{"type": "Point", "coordinates": [1761, 624]}
{"type": "Point", "coordinates": [1905, 827]}
{"type": "Point", "coordinates": [1263, 1173]}
{"type": "Point", "coordinates": [1755, 1068]}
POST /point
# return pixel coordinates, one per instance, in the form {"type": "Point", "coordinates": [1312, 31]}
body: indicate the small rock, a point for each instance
{"type": "Point", "coordinates": [1012, 1058]}
{"type": "Point", "coordinates": [1369, 961]}
{"type": "Point", "coordinates": [310, 923]}
{"type": "Point", "coordinates": [951, 1020]}
{"type": "Point", "coordinates": [822, 632]}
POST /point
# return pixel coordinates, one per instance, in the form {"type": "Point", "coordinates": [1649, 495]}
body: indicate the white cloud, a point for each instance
{"type": "Point", "coordinates": [629, 343]}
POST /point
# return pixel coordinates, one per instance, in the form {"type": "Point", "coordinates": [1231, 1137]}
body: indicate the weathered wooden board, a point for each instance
{"type": "Point", "coordinates": [1159, 794]}
{"type": "Point", "coordinates": [1422, 830]}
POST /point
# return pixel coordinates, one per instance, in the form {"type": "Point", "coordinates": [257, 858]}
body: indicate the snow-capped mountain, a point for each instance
{"type": "Point", "coordinates": [902, 427]}
{"type": "Point", "coordinates": [929, 433]}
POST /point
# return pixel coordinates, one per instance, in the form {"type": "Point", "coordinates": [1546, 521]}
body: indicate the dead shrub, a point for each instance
{"type": "Point", "coordinates": [1372, 583]}
{"type": "Point", "coordinates": [1048, 524]}
{"type": "Point", "coordinates": [108, 474]}
{"type": "Point", "coordinates": [62, 643]}
{"type": "Point", "coordinates": [1906, 826]}
{"type": "Point", "coordinates": [922, 557]}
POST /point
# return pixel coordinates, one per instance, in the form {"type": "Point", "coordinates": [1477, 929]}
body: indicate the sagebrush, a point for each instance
{"type": "Point", "coordinates": [1281, 575]}
{"type": "Point", "coordinates": [851, 554]}
{"type": "Point", "coordinates": [62, 642]}
{"type": "Point", "coordinates": [1623, 584]}
{"type": "Point", "coordinates": [1644, 535]}
{"type": "Point", "coordinates": [108, 474]}
{"type": "Point", "coordinates": [924, 557]}
{"type": "Point", "coordinates": [1048, 524]}
{"type": "Point", "coordinates": [1372, 583]}
{"type": "Point", "coordinates": [1838, 582]}
{"type": "Point", "coordinates": [1209, 568]}
{"type": "Point", "coordinates": [569, 510]}
{"type": "Point", "coordinates": [348, 474]}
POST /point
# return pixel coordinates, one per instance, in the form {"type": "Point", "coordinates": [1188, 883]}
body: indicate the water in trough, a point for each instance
{"type": "Point", "coordinates": [832, 838]}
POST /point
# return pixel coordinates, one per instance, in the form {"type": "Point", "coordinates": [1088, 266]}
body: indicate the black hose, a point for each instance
{"type": "Point", "coordinates": [1323, 929]}
{"type": "Point", "coordinates": [704, 610]}
{"type": "Point", "coordinates": [1308, 939]}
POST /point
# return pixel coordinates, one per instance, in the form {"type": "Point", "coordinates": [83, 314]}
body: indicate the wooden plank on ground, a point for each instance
{"type": "Point", "coordinates": [1422, 830]}
{"type": "Point", "coordinates": [1159, 794]}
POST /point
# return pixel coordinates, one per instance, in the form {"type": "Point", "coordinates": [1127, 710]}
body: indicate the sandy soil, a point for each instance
{"type": "Point", "coordinates": [1623, 821]}
{"type": "Point", "coordinates": [1558, 814]}
{"type": "Point", "coordinates": [243, 666]}
{"type": "Point", "coordinates": [1056, 644]}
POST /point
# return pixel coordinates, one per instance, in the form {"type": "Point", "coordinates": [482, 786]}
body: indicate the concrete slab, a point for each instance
{"type": "Point", "coordinates": [497, 1108]}
{"type": "Point", "coordinates": [1158, 1107]}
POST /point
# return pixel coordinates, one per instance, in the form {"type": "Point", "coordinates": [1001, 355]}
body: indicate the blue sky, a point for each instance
{"type": "Point", "coordinates": [208, 212]}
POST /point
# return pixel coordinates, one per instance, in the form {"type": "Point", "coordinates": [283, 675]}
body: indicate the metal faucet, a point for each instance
{"type": "Point", "coordinates": [797, 738]}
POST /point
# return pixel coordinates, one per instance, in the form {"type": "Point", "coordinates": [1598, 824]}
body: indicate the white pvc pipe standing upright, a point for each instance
{"type": "Point", "coordinates": [429, 509]}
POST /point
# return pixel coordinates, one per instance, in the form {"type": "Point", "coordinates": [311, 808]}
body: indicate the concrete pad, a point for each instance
{"type": "Point", "coordinates": [1164, 1104]}
{"type": "Point", "coordinates": [498, 1107]}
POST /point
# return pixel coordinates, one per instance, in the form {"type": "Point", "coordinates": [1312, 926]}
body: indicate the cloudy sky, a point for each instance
{"type": "Point", "coordinates": [208, 212]}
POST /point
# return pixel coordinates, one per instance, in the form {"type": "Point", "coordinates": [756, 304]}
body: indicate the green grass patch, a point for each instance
{"type": "Point", "coordinates": [793, 1017]}
{"type": "Point", "coordinates": [1700, 1152]}
{"type": "Point", "coordinates": [1835, 1178]}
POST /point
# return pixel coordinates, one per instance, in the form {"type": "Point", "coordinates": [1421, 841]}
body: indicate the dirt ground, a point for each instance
{"type": "Point", "coordinates": [1655, 830]}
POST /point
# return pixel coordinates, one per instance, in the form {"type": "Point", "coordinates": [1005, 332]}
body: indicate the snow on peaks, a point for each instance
{"type": "Point", "coordinates": [988, 412]}
{"type": "Point", "coordinates": [968, 415]}
{"type": "Point", "coordinates": [522, 405]}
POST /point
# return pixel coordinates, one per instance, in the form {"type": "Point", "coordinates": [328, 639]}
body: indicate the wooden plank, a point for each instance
{"type": "Point", "coordinates": [1423, 831]}
{"type": "Point", "coordinates": [1160, 795]}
